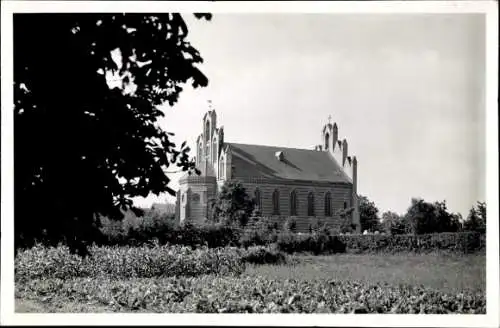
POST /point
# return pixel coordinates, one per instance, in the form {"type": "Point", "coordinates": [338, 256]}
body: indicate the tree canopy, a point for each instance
{"type": "Point", "coordinates": [476, 220]}
{"type": "Point", "coordinates": [86, 140]}
{"type": "Point", "coordinates": [368, 214]}
{"type": "Point", "coordinates": [424, 217]}
{"type": "Point", "coordinates": [233, 204]}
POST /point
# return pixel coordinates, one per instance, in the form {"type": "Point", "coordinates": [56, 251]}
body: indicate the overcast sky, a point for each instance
{"type": "Point", "coordinates": [406, 90]}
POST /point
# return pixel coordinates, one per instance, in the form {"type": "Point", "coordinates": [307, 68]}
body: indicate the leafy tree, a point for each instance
{"type": "Point", "coordinates": [233, 205]}
{"type": "Point", "coordinates": [393, 223]}
{"type": "Point", "coordinates": [446, 221]}
{"type": "Point", "coordinates": [481, 209]}
{"type": "Point", "coordinates": [368, 214]}
{"type": "Point", "coordinates": [346, 225]}
{"type": "Point", "coordinates": [424, 217]}
{"type": "Point", "coordinates": [476, 220]}
{"type": "Point", "coordinates": [87, 89]}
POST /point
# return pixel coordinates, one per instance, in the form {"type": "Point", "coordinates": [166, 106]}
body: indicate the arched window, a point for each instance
{"type": "Point", "coordinates": [214, 151]}
{"type": "Point", "coordinates": [188, 205]}
{"type": "Point", "coordinates": [222, 168]}
{"type": "Point", "coordinates": [310, 204]}
{"type": "Point", "coordinates": [207, 132]}
{"type": "Point", "coordinates": [293, 203]}
{"type": "Point", "coordinates": [328, 204]}
{"type": "Point", "coordinates": [257, 198]}
{"type": "Point", "coordinates": [327, 140]}
{"type": "Point", "coordinates": [276, 202]}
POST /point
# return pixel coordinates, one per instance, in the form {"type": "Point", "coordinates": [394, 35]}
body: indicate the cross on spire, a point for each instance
{"type": "Point", "coordinates": [329, 119]}
{"type": "Point", "coordinates": [210, 104]}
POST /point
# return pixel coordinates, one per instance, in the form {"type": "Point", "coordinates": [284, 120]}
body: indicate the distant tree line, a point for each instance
{"type": "Point", "coordinates": [425, 217]}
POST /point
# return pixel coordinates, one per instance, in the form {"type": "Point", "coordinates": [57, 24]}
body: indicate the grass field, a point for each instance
{"type": "Point", "coordinates": [440, 272]}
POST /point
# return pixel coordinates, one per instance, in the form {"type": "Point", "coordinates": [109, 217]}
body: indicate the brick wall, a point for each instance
{"type": "Point", "coordinates": [340, 193]}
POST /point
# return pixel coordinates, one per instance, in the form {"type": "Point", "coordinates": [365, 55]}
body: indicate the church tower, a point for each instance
{"type": "Point", "coordinates": [197, 191]}
{"type": "Point", "coordinates": [338, 149]}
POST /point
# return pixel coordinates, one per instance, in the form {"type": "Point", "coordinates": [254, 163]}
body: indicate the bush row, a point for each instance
{"type": "Point", "coordinates": [323, 242]}
{"type": "Point", "coordinates": [210, 235]}
{"type": "Point", "coordinates": [462, 242]}
{"type": "Point", "coordinates": [215, 294]}
{"type": "Point", "coordinates": [145, 261]}
{"type": "Point", "coordinates": [318, 241]}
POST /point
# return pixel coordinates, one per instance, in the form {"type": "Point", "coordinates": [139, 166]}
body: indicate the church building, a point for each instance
{"type": "Point", "coordinates": [284, 182]}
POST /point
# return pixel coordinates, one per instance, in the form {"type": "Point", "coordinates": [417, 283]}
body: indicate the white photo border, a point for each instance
{"type": "Point", "coordinates": [489, 8]}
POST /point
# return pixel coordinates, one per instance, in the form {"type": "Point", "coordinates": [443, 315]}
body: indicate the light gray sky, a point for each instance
{"type": "Point", "coordinates": [406, 90]}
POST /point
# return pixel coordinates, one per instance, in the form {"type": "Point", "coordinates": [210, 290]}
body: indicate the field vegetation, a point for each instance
{"type": "Point", "coordinates": [259, 279]}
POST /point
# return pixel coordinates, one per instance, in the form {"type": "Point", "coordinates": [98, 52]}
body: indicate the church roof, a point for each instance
{"type": "Point", "coordinates": [256, 161]}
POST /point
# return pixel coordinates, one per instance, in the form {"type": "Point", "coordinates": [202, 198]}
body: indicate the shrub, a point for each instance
{"type": "Point", "coordinates": [317, 243]}
{"type": "Point", "coordinates": [263, 255]}
{"type": "Point", "coordinates": [290, 225]}
{"type": "Point", "coordinates": [260, 232]}
{"type": "Point", "coordinates": [257, 237]}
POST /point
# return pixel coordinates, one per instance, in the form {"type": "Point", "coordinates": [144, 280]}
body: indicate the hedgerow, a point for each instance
{"type": "Point", "coordinates": [463, 242]}
{"type": "Point", "coordinates": [216, 294]}
{"type": "Point", "coordinates": [210, 235]}
{"type": "Point", "coordinates": [267, 232]}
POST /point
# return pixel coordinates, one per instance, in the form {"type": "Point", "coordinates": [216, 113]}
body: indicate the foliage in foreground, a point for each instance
{"type": "Point", "coordinates": [215, 294]}
{"type": "Point", "coordinates": [144, 262]}
{"type": "Point", "coordinates": [127, 262]}
{"type": "Point", "coordinates": [87, 89]}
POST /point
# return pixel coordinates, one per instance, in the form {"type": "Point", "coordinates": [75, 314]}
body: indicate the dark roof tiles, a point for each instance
{"type": "Point", "coordinates": [256, 161]}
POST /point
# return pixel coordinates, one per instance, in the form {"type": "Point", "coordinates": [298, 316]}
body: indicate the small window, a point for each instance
{"type": "Point", "coordinates": [195, 197]}
{"type": "Point", "coordinates": [310, 204]}
{"type": "Point", "coordinates": [345, 205]}
{"type": "Point", "coordinates": [293, 203]}
{"type": "Point", "coordinates": [328, 204]}
{"type": "Point", "coordinates": [276, 203]}
{"type": "Point", "coordinates": [257, 198]}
